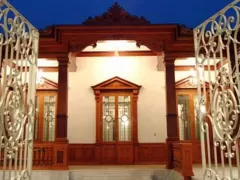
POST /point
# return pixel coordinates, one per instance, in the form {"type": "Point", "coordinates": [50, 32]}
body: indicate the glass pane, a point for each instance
{"type": "Point", "coordinates": [124, 118]}
{"type": "Point", "coordinates": [184, 117]}
{"type": "Point", "coordinates": [196, 118]}
{"type": "Point", "coordinates": [49, 118]}
{"type": "Point", "coordinates": [36, 118]}
{"type": "Point", "coordinates": [108, 112]}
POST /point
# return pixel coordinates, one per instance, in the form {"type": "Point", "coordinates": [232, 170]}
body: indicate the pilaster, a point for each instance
{"type": "Point", "coordinates": [171, 108]}
{"type": "Point", "coordinates": [62, 108]}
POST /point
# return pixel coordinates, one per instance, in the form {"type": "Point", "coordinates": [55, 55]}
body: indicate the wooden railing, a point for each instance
{"type": "Point", "coordinates": [50, 156]}
{"type": "Point", "coordinates": [182, 159]}
{"type": "Point", "coordinates": [43, 155]}
{"type": "Point", "coordinates": [47, 156]}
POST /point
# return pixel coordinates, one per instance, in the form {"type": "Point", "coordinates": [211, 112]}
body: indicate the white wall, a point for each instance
{"type": "Point", "coordinates": [139, 70]}
{"type": "Point", "coordinates": [179, 75]}
{"type": "Point", "coordinates": [53, 76]}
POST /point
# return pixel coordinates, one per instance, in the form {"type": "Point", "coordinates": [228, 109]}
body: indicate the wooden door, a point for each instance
{"type": "Point", "coordinates": [187, 101]}
{"type": "Point", "coordinates": [187, 115]}
{"type": "Point", "coordinates": [116, 128]}
{"type": "Point", "coordinates": [45, 117]}
{"type": "Point", "coordinates": [116, 120]}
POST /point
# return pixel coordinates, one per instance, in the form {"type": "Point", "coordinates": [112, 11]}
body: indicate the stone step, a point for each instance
{"type": "Point", "coordinates": [108, 173]}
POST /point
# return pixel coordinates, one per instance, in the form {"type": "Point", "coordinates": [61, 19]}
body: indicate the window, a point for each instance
{"type": "Point", "coordinates": [116, 129]}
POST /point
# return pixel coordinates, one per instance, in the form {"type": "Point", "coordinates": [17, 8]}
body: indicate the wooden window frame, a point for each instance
{"type": "Point", "coordinates": [116, 85]}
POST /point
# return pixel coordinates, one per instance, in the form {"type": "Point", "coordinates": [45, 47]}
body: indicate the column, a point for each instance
{"type": "Point", "coordinates": [171, 104]}
{"type": "Point", "coordinates": [171, 108]}
{"type": "Point", "coordinates": [62, 103]}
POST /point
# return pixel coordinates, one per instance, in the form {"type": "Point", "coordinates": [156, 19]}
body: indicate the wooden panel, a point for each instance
{"type": "Point", "coordinates": [108, 154]}
{"type": "Point", "coordinates": [79, 154]}
{"type": "Point", "coordinates": [182, 158]}
{"type": "Point", "coordinates": [150, 153]}
{"type": "Point", "coordinates": [60, 160]}
{"type": "Point", "coordinates": [125, 154]}
{"type": "Point", "coordinates": [197, 157]}
{"type": "Point", "coordinates": [92, 154]}
{"type": "Point", "coordinates": [188, 68]}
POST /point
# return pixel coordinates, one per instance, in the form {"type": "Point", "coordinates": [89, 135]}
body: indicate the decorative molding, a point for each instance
{"type": "Point", "coordinates": [184, 30]}
{"type": "Point", "coordinates": [184, 83]}
{"type": "Point", "coordinates": [47, 85]}
{"type": "Point", "coordinates": [111, 53]}
{"type": "Point", "coordinates": [79, 46]}
{"type": "Point", "coordinates": [160, 62]}
{"type": "Point", "coordinates": [116, 15]}
{"type": "Point", "coordinates": [188, 68]}
{"type": "Point", "coordinates": [154, 45]}
{"type": "Point", "coordinates": [48, 69]}
{"type": "Point", "coordinates": [116, 83]}
{"type": "Point", "coordinates": [47, 31]}
{"type": "Point", "coordinates": [155, 37]}
{"type": "Point", "coordinates": [72, 67]}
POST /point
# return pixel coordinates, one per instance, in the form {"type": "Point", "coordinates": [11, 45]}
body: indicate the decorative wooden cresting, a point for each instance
{"type": "Point", "coordinates": [116, 24]}
{"type": "Point", "coordinates": [116, 15]}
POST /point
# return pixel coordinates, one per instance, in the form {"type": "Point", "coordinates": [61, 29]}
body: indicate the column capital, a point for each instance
{"type": "Point", "coordinates": [63, 64]}
{"type": "Point", "coordinates": [168, 60]}
{"type": "Point", "coordinates": [63, 60]}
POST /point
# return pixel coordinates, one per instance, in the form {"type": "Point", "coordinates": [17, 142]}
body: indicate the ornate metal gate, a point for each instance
{"type": "Point", "coordinates": [217, 42]}
{"type": "Point", "coordinates": [18, 58]}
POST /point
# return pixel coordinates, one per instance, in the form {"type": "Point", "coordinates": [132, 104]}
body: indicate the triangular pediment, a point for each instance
{"type": "Point", "coordinates": [116, 83]}
{"type": "Point", "coordinates": [47, 84]}
{"type": "Point", "coordinates": [186, 83]}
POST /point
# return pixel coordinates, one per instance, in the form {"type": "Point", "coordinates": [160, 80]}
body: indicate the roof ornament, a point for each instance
{"type": "Point", "coordinates": [116, 15]}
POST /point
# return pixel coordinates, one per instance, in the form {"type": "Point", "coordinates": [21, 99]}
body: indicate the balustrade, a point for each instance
{"type": "Point", "coordinates": [182, 159]}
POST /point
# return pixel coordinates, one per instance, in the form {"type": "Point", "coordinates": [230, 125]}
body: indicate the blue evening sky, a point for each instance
{"type": "Point", "coordinates": [42, 13]}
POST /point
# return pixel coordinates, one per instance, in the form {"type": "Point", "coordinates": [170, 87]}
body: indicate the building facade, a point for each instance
{"type": "Point", "coordinates": [109, 87]}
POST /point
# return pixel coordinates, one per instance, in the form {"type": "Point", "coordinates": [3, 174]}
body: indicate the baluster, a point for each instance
{"type": "Point", "coordinates": [43, 156]}
{"type": "Point", "coordinates": [37, 157]}
{"type": "Point", "coordinates": [34, 156]}
{"type": "Point", "coordinates": [50, 155]}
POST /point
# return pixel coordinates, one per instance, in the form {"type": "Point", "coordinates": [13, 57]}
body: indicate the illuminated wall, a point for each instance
{"type": "Point", "coordinates": [139, 70]}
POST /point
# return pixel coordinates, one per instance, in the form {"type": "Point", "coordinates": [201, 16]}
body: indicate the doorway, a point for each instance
{"type": "Point", "coordinates": [116, 120]}
{"type": "Point", "coordinates": [116, 130]}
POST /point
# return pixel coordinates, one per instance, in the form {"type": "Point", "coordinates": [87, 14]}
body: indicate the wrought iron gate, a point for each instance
{"type": "Point", "coordinates": [18, 58]}
{"type": "Point", "coordinates": [217, 45]}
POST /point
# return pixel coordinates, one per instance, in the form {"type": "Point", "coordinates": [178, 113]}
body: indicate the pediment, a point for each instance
{"type": "Point", "coordinates": [116, 15]}
{"type": "Point", "coordinates": [47, 85]}
{"type": "Point", "coordinates": [116, 83]}
{"type": "Point", "coordinates": [185, 83]}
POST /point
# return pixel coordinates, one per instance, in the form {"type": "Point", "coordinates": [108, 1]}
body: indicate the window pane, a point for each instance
{"type": "Point", "coordinates": [36, 118]}
{"type": "Point", "coordinates": [108, 115]}
{"type": "Point", "coordinates": [49, 118]}
{"type": "Point", "coordinates": [196, 118]}
{"type": "Point", "coordinates": [183, 116]}
{"type": "Point", "coordinates": [124, 118]}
